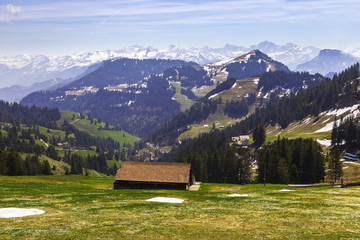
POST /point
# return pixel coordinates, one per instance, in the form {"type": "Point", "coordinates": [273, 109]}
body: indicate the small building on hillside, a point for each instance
{"type": "Point", "coordinates": [154, 175]}
{"type": "Point", "coordinates": [241, 140]}
{"type": "Point", "coordinates": [351, 157]}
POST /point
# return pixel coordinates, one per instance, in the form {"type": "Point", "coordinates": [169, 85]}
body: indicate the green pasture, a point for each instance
{"type": "Point", "coordinates": [85, 125]}
{"type": "Point", "coordinates": [185, 102]}
{"type": "Point", "coordinates": [79, 207]}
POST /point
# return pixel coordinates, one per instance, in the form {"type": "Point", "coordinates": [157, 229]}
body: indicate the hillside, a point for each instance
{"type": "Point", "coordinates": [210, 151]}
{"type": "Point", "coordinates": [120, 92]}
{"type": "Point", "coordinates": [235, 99]}
{"type": "Point", "coordinates": [96, 129]}
{"type": "Point", "coordinates": [46, 141]}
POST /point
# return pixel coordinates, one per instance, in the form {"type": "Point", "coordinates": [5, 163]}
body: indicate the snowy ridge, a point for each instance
{"type": "Point", "coordinates": [351, 111]}
{"type": "Point", "coordinates": [26, 69]}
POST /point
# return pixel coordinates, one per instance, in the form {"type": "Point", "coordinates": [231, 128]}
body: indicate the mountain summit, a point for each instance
{"type": "Point", "coordinates": [250, 64]}
{"type": "Point", "coordinates": [328, 60]}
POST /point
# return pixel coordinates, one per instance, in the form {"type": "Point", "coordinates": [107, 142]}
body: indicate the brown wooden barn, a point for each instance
{"type": "Point", "coordinates": [154, 175]}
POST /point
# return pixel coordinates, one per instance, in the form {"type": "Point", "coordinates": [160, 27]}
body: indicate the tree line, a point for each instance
{"type": "Point", "coordinates": [346, 135]}
{"type": "Point", "coordinates": [291, 161]}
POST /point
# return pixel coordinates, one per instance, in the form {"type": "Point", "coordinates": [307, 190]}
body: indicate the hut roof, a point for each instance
{"type": "Point", "coordinates": [154, 172]}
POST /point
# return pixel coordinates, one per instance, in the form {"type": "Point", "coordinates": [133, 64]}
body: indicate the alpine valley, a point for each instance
{"type": "Point", "coordinates": [154, 109]}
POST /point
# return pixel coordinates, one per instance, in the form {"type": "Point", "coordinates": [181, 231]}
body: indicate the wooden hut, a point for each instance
{"type": "Point", "coordinates": [154, 175]}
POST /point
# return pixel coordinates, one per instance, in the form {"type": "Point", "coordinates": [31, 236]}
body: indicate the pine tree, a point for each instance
{"type": "Point", "coordinates": [282, 171]}
{"type": "Point", "coordinates": [335, 164]}
{"type": "Point", "coordinates": [15, 164]}
{"type": "Point", "coordinates": [259, 135]}
{"type": "Point", "coordinates": [334, 134]}
{"type": "Point", "coordinates": [3, 162]}
{"type": "Point", "coordinates": [46, 169]}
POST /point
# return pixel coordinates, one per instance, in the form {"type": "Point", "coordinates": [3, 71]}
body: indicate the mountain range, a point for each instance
{"type": "Point", "coordinates": [23, 74]}
{"type": "Point", "coordinates": [139, 95]}
{"type": "Point", "coordinates": [26, 69]}
{"type": "Point", "coordinates": [328, 60]}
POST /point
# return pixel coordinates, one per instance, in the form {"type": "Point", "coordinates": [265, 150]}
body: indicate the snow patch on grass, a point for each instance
{"type": "Point", "coordinates": [286, 190]}
{"type": "Point", "coordinates": [328, 127]}
{"type": "Point", "coordinates": [341, 111]}
{"type": "Point", "coordinates": [238, 195]}
{"type": "Point", "coordinates": [165, 200]}
{"type": "Point", "coordinates": [216, 94]}
{"type": "Point", "coordinates": [324, 142]}
{"type": "Point", "coordinates": [19, 212]}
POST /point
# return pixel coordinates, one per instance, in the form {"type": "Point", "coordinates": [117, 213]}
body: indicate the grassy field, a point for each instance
{"type": "Point", "coordinates": [185, 102]}
{"type": "Point", "coordinates": [79, 207]}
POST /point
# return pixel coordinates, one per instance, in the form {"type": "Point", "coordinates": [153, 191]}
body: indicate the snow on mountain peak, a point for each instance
{"type": "Point", "coordinates": [71, 65]}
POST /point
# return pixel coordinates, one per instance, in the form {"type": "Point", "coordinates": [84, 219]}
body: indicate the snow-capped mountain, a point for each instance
{"type": "Point", "coordinates": [289, 54]}
{"type": "Point", "coordinates": [26, 70]}
{"type": "Point", "coordinates": [327, 61]}
{"type": "Point", "coordinates": [250, 64]}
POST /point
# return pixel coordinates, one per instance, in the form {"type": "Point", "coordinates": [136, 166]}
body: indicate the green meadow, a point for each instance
{"type": "Point", "coordinates": [85, 125]}
{"type": "Point", "coordinates": [80, 207]}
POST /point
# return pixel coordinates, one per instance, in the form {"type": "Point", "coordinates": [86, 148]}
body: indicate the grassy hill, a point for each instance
{"type": "Point", "coordinates": [79, 207]}
{"type": "Point", "coordinates": [86, 126]}
{"type": "Point", "coordinates": [185, 102]}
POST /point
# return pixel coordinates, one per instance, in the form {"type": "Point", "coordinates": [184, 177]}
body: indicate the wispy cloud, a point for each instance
{"type": "Point", "coordinates": [126, 20]}
{"type": "Point", "coordinates": [12, 9]}
{"type": "Point", "coordinates": [186, 11]}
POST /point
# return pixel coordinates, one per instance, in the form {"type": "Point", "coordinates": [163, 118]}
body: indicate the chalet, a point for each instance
{"type": "Point", "coordinates": [149, 145]}
{"type": "Point", "coordinates": [163, 151]}
{"type": "Point", "coordinates": [154, 175]}
{"type": "Point", "coordinates": [241, 140]}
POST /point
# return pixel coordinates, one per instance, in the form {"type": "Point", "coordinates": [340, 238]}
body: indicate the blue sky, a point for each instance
{"type": "Point", "coordinates": [64, 27]}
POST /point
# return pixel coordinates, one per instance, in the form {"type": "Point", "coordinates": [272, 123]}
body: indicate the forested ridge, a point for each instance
{"type": "Point", "coordinates": [17, 114]}
{"type": "Point", "coordinates": [24, 142]}
{"type": "Point", "coordinates": [276, 109]}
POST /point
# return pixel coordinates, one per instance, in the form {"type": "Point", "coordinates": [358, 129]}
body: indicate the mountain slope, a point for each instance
{"type": "Point", "coordinates": [17, 92]}
{"type": "Point", "coordinates": [231, 101]}
{"type": "Point", "coordinates": [123, 92]}
{"type": "Point", "coordinates": [328, 61]}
